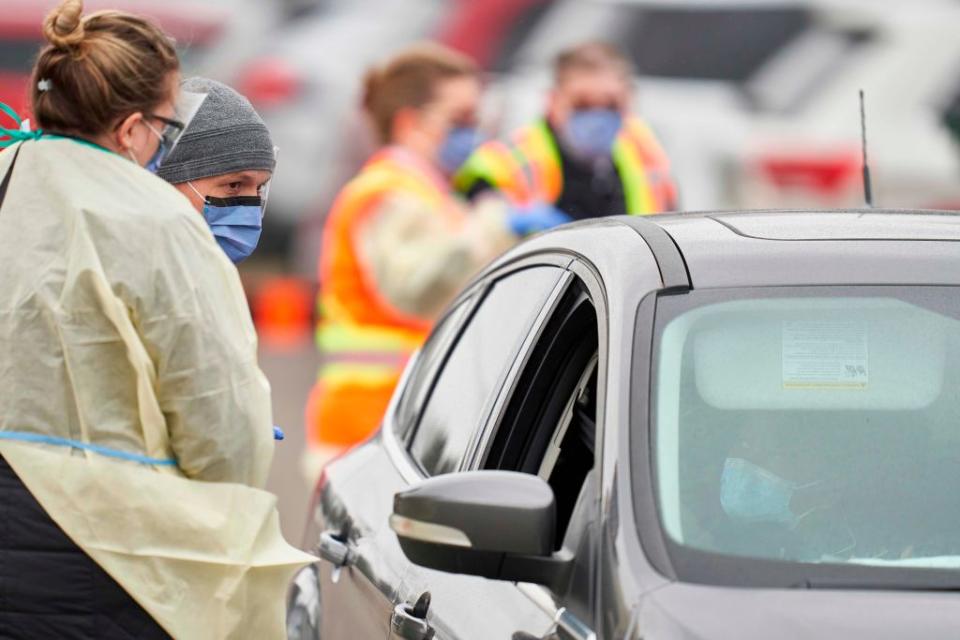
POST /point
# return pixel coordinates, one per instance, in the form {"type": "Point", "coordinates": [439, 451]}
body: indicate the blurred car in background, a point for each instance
{"type": "Point", "coordinates": [756, 101]}
{"type": "Point", "coordinates": [210, 36]}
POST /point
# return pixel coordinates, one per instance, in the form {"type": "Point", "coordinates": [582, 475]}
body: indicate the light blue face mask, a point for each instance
{"type": "Point", "coordinates": [154, 163]}
{"type": "Point", "coordinates": [460, 143]}
{"type": "Point", "coordinates": [590, 133]}
{"type": "Point", "coordinates": [236, 223]}
{"type": "Point", "coordinates": [750, 493]}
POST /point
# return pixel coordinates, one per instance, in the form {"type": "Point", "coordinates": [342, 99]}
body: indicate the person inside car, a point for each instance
{"type": "Point", "coordinates": [782, 491]}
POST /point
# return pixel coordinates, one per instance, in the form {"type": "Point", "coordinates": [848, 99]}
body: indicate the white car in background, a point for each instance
{"type": "Point", "coordinates": [757, 101]}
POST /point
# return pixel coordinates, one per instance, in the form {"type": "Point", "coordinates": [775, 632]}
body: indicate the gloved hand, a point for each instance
{"type": "Point", "coordinates": [533, 218]}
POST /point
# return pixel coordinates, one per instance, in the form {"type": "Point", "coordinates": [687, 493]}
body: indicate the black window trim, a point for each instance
{"type": "Point", "coordinates": [480, 444]}
{"type": "Point", "coordinates": [579, 268]}
{"type": "Point", "coordinates": [580, 272]}
{"type": "Point", "coordinates": [478, 289]}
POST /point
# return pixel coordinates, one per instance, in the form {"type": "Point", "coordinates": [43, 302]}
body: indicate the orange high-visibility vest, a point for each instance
{"type": "Point", "coordinates": [364, 340]}
{"type": "Point", "coordinates": [530, 169]}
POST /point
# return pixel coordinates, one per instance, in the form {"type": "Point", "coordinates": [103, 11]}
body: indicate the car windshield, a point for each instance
{"type": "Point", "coordinates": [809, 427]}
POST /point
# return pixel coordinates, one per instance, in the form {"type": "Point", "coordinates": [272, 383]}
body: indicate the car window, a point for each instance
{"type": "Point", "coordinates": [815, 427]}
{"type": "Point", "coordinates": [476, 366]}
{"type": "Point", "coordinates": [707, 43]}
{"type": "Point", "coordinates": [428, 362]}
{"type": "Point", "coordinates": [549, 424]}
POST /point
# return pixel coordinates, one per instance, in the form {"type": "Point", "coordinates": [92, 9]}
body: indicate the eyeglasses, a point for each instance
{"type": "Point", "coordinates": [172, 129]}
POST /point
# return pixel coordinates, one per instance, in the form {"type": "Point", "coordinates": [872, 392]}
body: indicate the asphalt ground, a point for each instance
{"type": "Point", "coordinates": [291, 370]}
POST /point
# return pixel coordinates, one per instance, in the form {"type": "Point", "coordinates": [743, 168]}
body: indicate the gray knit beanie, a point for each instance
{"type": "Point", "coordinates": [226, 135]}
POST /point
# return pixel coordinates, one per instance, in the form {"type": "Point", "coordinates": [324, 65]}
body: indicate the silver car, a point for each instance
{"type": "Point", "coordinates": [713, 426]}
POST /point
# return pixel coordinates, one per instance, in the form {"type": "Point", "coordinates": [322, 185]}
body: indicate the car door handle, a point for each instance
{"type": "Point", "coordinates": [410, 622]}
{"type": "Point", "coordinates": [335, 549]}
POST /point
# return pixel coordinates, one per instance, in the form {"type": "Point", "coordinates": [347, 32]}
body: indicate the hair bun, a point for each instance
{"type": "Point", "coordinates": [63, 27]}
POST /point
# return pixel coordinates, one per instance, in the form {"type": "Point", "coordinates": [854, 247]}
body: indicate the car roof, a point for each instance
{"type": "Point", "coordinates": [789, 248]}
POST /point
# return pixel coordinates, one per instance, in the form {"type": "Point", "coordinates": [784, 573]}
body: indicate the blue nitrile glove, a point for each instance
{"type": "Point", "coordinates": [277, 433]}
{"type": "Point", "coordinates": [536, 217]}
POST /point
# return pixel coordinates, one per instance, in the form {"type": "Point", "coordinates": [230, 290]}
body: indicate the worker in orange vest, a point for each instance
{"type": "Point", "coordinates": [588, 156]}
{"type": "Point", "coordinates": [398, 243]}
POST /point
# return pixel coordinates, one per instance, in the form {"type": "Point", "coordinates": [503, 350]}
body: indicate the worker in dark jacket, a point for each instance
{"type": "Point", "coordinates": [588, 156]}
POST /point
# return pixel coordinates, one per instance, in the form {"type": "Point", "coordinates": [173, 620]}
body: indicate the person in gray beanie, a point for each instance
{"type": "Point", "coordinates": [223, 163]}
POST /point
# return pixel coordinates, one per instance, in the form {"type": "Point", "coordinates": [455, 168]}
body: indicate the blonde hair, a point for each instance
{"type": "Point", "coordinates": [409, 80]}
{"type": "Point", "coordinates": [98, 69]}
{"type": "Point", "coordinates": [591, 57]}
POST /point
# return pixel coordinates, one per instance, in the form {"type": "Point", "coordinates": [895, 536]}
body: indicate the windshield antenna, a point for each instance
{"type": "Point", "coordinates": [867, 190]}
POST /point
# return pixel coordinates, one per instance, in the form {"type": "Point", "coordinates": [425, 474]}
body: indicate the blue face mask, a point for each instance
{"type": "Point", "coordinates": [153, 165]}
{"type": "Point", "coordinates": [750, 493]}
{"type": "Point", "coordinates": [460, 143]}
{"type": "Point", "coordinates": [236, 224]}
{"type": "Point", "coordinates": [590, 133]}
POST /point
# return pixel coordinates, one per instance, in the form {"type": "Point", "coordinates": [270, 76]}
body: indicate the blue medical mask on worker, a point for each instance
{"type": "Point", "coordinates": [749, 493]}
{"type": "Point", "coordinates": [167, 137]}
{"type": "Point", "coordinates": [162, 150]}
{"type": "Point", "coordinates": [236, 223]}
{"type": "Point", "coordinates": [590, 133]}
{"type": "Point", "coordinates": [153, 164]}
{"type": "Point", "coordinates": [460, 142]}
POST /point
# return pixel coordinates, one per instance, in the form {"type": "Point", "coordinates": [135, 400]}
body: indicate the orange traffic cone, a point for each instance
{"type": "Point", "coordinates": [283, 312]}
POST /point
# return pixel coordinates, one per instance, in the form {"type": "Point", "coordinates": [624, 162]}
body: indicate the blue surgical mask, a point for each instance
{"type": "Point", "coordinates": [236, 223]}
{"type": "Point", "coordinates": [750, 493]}
{"type": "Point", "coordinates": [153, 165]}
{"type": "Point", "coordinates": [460, 143]}
{"type": "Point", "coordinates": [590, 133]}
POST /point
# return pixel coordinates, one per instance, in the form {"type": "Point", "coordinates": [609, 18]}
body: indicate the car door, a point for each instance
{"type": "Point", "coordinates": [542, 421]}
{"type": "Point", "coordinates": [448, 395]}
{"type": "Point", "coordinates": [352, 592]}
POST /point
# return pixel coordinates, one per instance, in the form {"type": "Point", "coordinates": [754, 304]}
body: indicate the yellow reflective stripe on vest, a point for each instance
{"type": "Point", "coordinates": [541, 159]}
{"type": "Point", "coordinates": [633, 177]}
{"type": "Point", "coordinates": [363, 355]}
{"type": "Point", "coordinates": [493, 163]}
{"type": "Point", "coordinates": [337, 374]}
{"type": "Point", "coordinates": [337, 337]}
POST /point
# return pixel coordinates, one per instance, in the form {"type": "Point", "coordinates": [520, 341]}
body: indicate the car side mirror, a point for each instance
{"type": "Point", "coordinates": [495, 524]}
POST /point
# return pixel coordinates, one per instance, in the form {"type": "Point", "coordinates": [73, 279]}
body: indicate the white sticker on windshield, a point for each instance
{"type": "Point", "coordinates": [825, 355]}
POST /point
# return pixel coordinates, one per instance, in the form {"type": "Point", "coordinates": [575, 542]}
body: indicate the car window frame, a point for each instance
{"type": "Point", "coordinates": [480, 443]}
{"type": "Point", "coordinates": [581, 272]}
{"type": "Point", "coordinates": [478, 290]}
{"type": "Point", "coordinates": [578, 269]}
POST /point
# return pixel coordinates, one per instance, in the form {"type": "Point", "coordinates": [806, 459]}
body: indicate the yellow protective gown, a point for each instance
{"type": "Point", "coordinates": [123, 325]}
